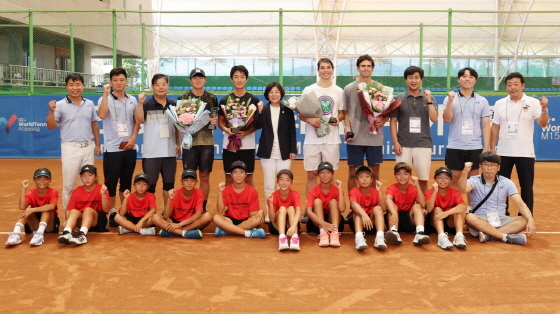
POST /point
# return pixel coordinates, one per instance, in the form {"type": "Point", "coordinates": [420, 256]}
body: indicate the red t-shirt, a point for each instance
{"type": "Point", "coordinates": [367, 202]}
{"type": "Point", "coordinates": [81, 199]}
{"type": "Point", "coordinates": [452, 199]}
{"type": "Point", "coordinates": [240, 205]}
{"type": "Point", "coordinates": [183, 208]}
{"type": "Point", "coordinates": [317, 193]}
{"type": "Point", "coordinates": [33, 199]}
{"type": "Point", "coordinates": [139, 208]}
{"type": "Point", "coordinates": [292, 200]}
{"type": "Point", "coordinates": [403, 201]}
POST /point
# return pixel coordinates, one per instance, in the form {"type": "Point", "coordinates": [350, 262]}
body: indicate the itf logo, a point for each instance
{"type": "Point", "coordinates": [8, 123]}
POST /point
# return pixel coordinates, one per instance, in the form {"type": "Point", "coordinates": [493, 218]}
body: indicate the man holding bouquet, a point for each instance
{"type": "Point", "coordinates": [200, 156]}
{"type": "Point", "coordinates": [359, 141]}
{"type": "Point", "coordinates": [239, 138]}
{"type": "Point", "coordinates": [325, 148]}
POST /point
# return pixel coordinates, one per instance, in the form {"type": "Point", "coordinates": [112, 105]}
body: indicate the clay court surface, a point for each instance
{"type": "Point", "coordinates": [132, 273]}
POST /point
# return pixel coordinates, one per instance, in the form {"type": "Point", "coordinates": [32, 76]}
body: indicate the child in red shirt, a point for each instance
{"type": "Point", "coordinates": [184, 216]}
{"type": "Point", "coordinates": [39, 210]}
{"type": "Point", "coordinates": [448, 208]}
{"type": "Point", "coordinates": [238, 206]}
{"type": "Point", "coordinates": [87, 207]}
{"type": "Point", "coordinates": [137, 208]}
{"type": "Point", "coordinates": [367, 203]}
{"type": "Point", "coordinates": [325, 202]}
{"type": "Point", "coordinates": [283, 203]}
{"type": "Point", "coordinates": [404, 204]}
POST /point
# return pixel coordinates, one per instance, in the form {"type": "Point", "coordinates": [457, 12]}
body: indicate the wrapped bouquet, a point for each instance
{"type": "Point", "coordinates": [189, 116]}
{"type": "Point", "coordinates": [308, 106]}
{"type": "Point", "coordinates": [377, 103]}
{"type": "Point", "coordinates": [239, 116]}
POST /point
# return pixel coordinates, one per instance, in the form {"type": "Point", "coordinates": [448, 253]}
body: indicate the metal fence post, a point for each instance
{"type": "Point", "coordinates": [115, 38]}
{"type": "Point", "coordinates": [449, 33]}
{"type": "Point", "coordinates": [72, 53]}
{"type": "Point", "coordinates": [143, 66]}
{"type": "Point", "coordinates": [31, 55]}
{"type": "Point", "coordinates": [280, 48]}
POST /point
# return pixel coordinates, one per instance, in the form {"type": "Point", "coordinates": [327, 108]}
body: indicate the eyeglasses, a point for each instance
{"type": "Point", "coordinates": [443, 178]}
{"type": "Point", "coordinates": [489, 165]}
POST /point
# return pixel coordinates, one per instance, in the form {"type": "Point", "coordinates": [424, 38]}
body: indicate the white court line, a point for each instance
{"type": "Point", "coordinates": [211, 233]}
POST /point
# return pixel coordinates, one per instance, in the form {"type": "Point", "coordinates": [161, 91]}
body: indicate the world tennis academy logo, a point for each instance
{"type": "Point", "coordinates": [7, 124]}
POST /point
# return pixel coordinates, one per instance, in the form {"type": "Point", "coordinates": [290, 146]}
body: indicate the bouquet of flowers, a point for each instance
{"type": "Point", "coordinates": [308, 106]}
{"type": "Point", "coordinates": [377, 103]}
{"type": "Point", "coordinates": [240, 117]}
{"type": "Point", "coordinates": [189, 116]}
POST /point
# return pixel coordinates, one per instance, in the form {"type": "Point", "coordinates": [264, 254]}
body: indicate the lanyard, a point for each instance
{"type": "Point", "coordinates": [115, 108]}
{"type": "Point", "coordinates": [520, 109]}
{"type": "Point", "coordinates": [461, 106]}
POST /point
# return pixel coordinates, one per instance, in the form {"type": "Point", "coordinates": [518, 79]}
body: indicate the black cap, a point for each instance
{"type": "Point", "coordinates": [188, 173]}
{"type": "Point", "coordinates": [402, 165]}
{"type": "Point", "coordinates": [90, 168]}
{"type": "Point", "coordinates": [325, 165]}
{"type": "Point", "coordinates": [443, 170]}
{"type": "Point", "coordinates": [42, 172]}
{"type": "Point", "coordinates": [141, 177]}
{"type": "Point", "coordinates": [363, 168]}
{"type": "Point", "coordinates": [197, 72]}
{"type": "Point", "coordinates": [238, 164]}
{"type": "Point", "coordinates": [285, 171]}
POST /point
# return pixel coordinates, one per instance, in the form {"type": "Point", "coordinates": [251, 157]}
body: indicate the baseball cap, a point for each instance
{"type": "Point", "coordinates": [325, 165]}
{"type": "Point", "coordinates": [42, 172]}
{"type": "Point", "coordinates": [402, 165]}
{"type": "Point", "coordinates": [188, 173]}
{"type": "Point", "coordinates": [90, 168]}
{"type": "Point", "coordinates": [443, 170]}
{"type": "Point", "coordinates": [285, 171]}
{"type": "Point", "coordinates": [363, 168]}
{"type": "Point", "coordinates": [141, 177]}
{"type": "Point", "coordinates": [238, 164]}
{"type": "Point", "coordinates": [197, 72]}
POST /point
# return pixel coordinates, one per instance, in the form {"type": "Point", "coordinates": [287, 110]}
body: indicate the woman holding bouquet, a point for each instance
{"type": "Point", "coordinates": [277, 144]}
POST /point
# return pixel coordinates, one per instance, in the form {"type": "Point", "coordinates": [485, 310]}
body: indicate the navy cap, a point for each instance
{"type": "Point", "coordinates": [325, 165]}
{"type": "Point", "coordinates": [42, 172]}
{"type": "Point", "coordinates": [443, 170]}
{"type": "Point", "coordinates": [90, 168]}
{"type": "Point", "coordinates": [238, 164]}
{"type": "Point", "coordinates": [197, 72]}
{"type": "Point", "coordinates": [141, 177]}
{"type": "Point", "coordinates": [188, 173]}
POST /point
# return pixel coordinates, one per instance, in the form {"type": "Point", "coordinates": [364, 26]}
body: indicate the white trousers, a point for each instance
{"type": "Point", "coordinates": [74, 155]}
{"type": "Point", "coordinates": [270, 168]}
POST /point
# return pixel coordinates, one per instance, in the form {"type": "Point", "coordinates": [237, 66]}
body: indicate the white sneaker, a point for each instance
{"type": "Point", "coordinates": [78, 238]}
{"type": "Point", "coordinates": [361, 241]}
{"type": "Point", "coordinates": [460, 242]}
{"type": "Point", "coordinates": [443, 241]}
{"type": "Point", "coordinates": [13, 239]}
{"type": "Point", "coordinates": [393, 237]}
{"type": "Point", "coordinates": [65, 237]}
{"type": "Point", "coordinates": [148, 231]}
{"type": "Point", "coordinates": [123, 230]}
{"type": "Point", "coordinates": [283, 244]}
{"type": "Point", "coordinates": [38, 239]}
{"type": "Point", "coordinates": [380, 243]}
{"type": "Point", "coordinates": [421, 239]}
{"type": "Point", "coordinates": [294, 244]}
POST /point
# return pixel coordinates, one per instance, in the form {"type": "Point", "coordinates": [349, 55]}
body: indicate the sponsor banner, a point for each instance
{"type": "Point", "coordinates": [24, 133]}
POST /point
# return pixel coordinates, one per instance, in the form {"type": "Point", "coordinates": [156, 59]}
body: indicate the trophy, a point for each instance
{"type": "Point", "coordinates": [333, 120]}
{"type": "Point", "coordinates": [213, 114]}
{"type": "Point", "coordinates": [349, 135]}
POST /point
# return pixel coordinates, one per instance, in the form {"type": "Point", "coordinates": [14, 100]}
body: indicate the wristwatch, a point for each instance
{"type": "Point", "coordinates": [430, 103]}
{"type": "Point", "coordinates": [544, 112]}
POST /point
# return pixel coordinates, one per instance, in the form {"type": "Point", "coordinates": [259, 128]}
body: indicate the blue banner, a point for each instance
{"type": "Point", "coordinates": [24, 134]}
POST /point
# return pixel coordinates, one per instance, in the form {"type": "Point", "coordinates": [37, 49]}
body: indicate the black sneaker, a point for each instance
{"type": "Point", "coordinates": [112, 222]}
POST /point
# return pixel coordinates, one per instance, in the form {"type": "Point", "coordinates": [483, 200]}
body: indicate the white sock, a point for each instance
{"type": "Point", "coordinates": [84, 230]}
{"type": "Point", "coordinates": [441, 234]}
{"type": "Point", "coordinates": [380, 234]}
{"type": "Point", "coordinates": [282, 236]}
{"type": "Point", "coordinates": [359, 234]}
{"type": "Point", "coordinates": [419, 229]}
{"type": "Point", "coordinates": [19, 227]}
{"type": "Point", "coordinates": [459, 234]}
{"type": "Point", "coordinates": [295, 236]}
{"type": "Point", "coordinates": [321, 230]}
{"type": "Point", "coordinates": [393, 228]}
{"type": "Point", "coordinates": [68, 229]}
{"type": "Point", "coordinates": [247, 233]}
{"type": "Point", "coordinates": [504, 237]}
{"type": "Point", "coordinates": [42, 227]}
{"type": "Point", "coordinates": [112, 210]}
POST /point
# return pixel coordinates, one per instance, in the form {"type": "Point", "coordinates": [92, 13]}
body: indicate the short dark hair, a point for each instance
{"type": "Point", "coordinates": [272, 85]}
{"type": "Point", "coordinates": [471, 71]}
{"type": "Point", "coordinates": [117, 71]}
{"type": "Point", "coordinates": [363, 58]}
{"type": "Point", "coordinates": [513, 75]}
{"type": "Point", "coordinates": [490, 157]}
{"type": "Point", "coordinates": [324, 60]}
{"type": "Point", "coordinates": [413, 69]}
{"type": "Point", "coordinates": [156, 77]}
{"type": "Point", "coordinates": [74, 77]}
{"type": "Point", "coordinates": [239, 68]}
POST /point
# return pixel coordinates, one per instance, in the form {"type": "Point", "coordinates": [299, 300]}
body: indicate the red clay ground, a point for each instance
{"type": "Point", "coordinates": [132, 273]}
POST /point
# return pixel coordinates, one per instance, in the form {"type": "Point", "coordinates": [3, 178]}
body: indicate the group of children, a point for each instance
{"type": "Point", "coordinates": [402, 208]}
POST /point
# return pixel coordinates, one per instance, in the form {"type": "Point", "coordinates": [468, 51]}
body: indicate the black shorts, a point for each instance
{"type": "Point", "coordinates": [274, 231]}
{"type": "Point", "coordinates": [132, 219]}
{"type": "Point", "coordinates": [101, 223]}
{"type": "Point", "coordinates": [373, 231]}
{"type": "Point", "coordinates": [199, 157]}
{"type": "Point", "coordinates": [38, 215]}
{"type": "Point", "coordinates": [312, 228]}
{"type": "Point", "coordinates": [167, 166]}
{"type": "Point", "coordinates": [118, 167]}
{"type": "Point", "coordinates": [245, 155]}
{"type": "Point", "coordinates": [455, 159]}
{"type": "Point", "coordinates": [405, 224]}
{"type": "Point", "coordinates": [237, 221]}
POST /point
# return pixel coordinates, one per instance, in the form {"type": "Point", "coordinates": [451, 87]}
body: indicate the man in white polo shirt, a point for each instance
{"type": "Point", "coordinates": [77, 119]}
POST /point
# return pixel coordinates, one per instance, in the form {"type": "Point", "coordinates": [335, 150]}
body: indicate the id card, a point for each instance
{"type": "Point", "coordinates": [512, 130]}
{"type": "Point", "coordinates": [163, 128]}
{"type": "Point", "coordinates": [467, 127]}
{"type": "Point", "coordinates": [122, 129]}
{"type": "Point", "coordinates": [414, 125]}
{"type": "Point", "coordinates": [494, 219]}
